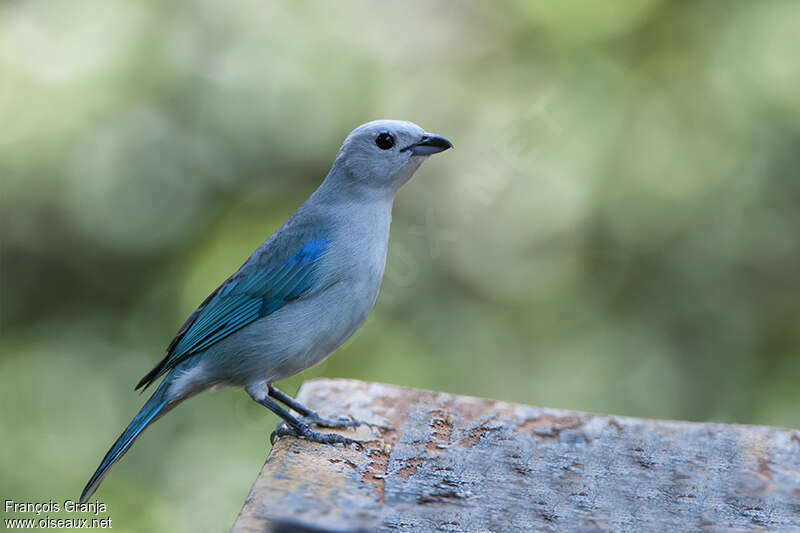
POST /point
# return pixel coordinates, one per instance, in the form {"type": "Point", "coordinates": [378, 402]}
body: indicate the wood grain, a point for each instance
{"type": "Point", "coordinates": [455, 463]}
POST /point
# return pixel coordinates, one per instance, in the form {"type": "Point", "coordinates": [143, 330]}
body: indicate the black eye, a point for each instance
{"type": "Point", "coordinates": [384, 141]}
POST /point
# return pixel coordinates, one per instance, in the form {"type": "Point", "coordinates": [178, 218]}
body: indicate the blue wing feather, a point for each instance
{"type": "Point", "coordinates": [244, 298]}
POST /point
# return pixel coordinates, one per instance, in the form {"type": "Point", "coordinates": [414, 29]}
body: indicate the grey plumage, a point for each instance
{"type": "Point", "coordinates": [300, 295]}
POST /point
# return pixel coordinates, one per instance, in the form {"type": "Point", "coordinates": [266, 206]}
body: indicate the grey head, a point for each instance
{"type": "Point", "coordinates": [380, 156]}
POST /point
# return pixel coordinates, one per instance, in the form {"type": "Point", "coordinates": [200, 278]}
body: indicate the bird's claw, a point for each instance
{"type": "Point", "coordinates": [339, 422]}
{"type": "Point", "coordinates": [342, 422]}
{"type": "Point", "coordinates": [377, 425]}
{"type": "Point", "coordinates": [279, 431]}
{"type": "Point", "coordinates": [306, 433]}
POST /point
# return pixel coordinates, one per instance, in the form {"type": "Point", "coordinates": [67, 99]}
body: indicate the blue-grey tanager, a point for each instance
{"type": "Point", "coordinates": [301, 294]}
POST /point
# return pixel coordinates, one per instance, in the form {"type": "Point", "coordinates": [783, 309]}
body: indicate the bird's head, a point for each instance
{"type": "Point", "coordinates": [384, 154]}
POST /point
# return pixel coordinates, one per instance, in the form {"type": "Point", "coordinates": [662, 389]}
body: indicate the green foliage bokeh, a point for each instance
{"type": "Point", "coordinates": [615, 231]}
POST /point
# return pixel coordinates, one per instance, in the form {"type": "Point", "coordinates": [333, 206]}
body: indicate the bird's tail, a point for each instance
{"type": "Point", "coordinates": [157, 405]}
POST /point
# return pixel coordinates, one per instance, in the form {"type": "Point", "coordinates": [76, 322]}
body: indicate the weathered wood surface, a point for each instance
{"type": "Point", "coordinates": [454, 463]}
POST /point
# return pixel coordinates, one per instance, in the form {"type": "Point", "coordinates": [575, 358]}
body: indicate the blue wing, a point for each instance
{"type": "Point", "coordinates": [245, 297]}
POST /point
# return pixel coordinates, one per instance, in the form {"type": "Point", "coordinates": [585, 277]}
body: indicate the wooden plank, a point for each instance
{"type": "Point", "coordinates": [455, 463]}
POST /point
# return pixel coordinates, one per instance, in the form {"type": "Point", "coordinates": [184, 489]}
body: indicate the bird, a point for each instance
{"type": "Point", "coordinates": [298, 297]}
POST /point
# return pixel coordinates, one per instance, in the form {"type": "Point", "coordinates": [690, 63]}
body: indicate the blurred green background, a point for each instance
{"type": "Point", "coordinates": [616, 230]}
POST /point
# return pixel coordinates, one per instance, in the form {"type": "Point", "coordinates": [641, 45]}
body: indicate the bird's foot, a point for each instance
{"type": "Point", "coordinates": [306, 433]}
{"type": "Point", "coordinates": [342, 422]}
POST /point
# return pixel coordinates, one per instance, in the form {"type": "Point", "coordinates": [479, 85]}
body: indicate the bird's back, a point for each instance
{"type": "Point", "coordinates": [344, 287]}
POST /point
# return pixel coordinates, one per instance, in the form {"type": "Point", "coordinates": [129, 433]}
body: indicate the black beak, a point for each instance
{"type": "Point", "coordinates": [430, 144]}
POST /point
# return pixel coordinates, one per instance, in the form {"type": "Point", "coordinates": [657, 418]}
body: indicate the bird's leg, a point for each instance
{"type": "Point", "coordinates": [295, 427]}
{"type": "Point", "coordinates": [309, 416]}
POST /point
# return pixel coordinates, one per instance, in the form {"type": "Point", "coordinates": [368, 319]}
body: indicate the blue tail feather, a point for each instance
{"type": "Point", "coordinates": [154, 406]}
